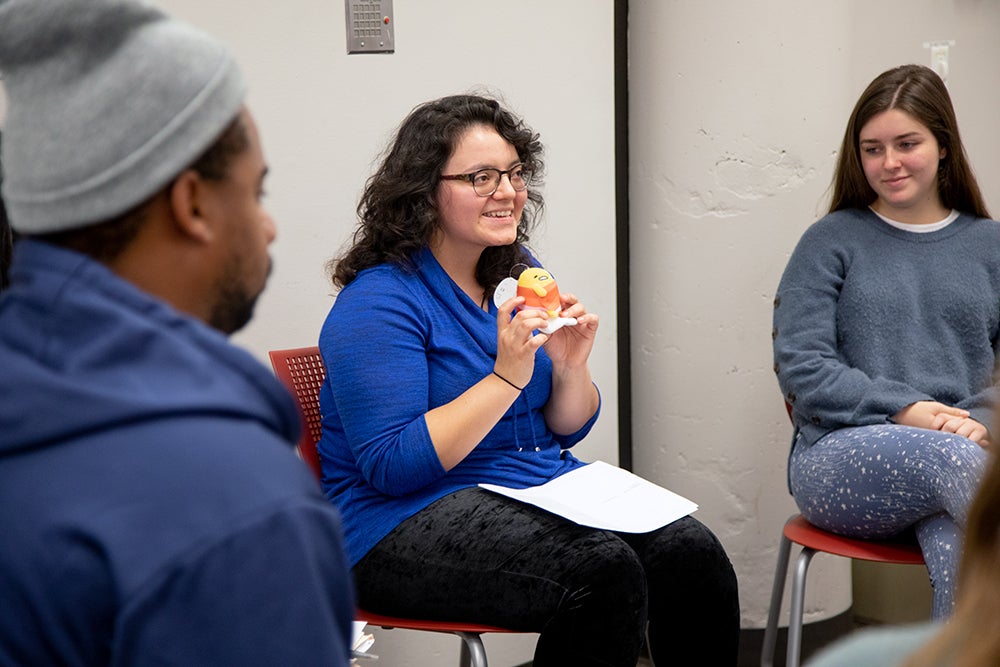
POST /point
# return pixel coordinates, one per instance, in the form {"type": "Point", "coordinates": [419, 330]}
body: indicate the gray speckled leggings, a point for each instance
{"type": "Point", "coordinates": [878, 481]}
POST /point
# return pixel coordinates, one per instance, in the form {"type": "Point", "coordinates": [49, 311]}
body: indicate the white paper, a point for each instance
{"type": "Point", "coordinates": [604, 496]}
{"type": "Point", "coordinates": [361, 642]}
{"type": "Point", "coordinates": [357, 631]}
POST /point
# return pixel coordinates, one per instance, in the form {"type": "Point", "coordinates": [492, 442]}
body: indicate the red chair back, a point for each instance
{"type": "Point", "coordinates": [301, 370]}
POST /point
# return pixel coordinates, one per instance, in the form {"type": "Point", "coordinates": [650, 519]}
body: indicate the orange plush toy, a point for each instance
{"type": "Point", "coordinates": [540, 291]}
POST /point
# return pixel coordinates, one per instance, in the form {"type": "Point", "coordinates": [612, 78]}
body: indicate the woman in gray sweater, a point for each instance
{"type": "Point", "coordinates": [886, 328]}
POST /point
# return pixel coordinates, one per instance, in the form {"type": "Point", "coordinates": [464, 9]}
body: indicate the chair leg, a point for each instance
{"type": "Point", "coordinates": [797, 607]}
{"type": "Point", "coordinates": [774, 610]}
{"type": "Point", "coordinates": [473, 652]}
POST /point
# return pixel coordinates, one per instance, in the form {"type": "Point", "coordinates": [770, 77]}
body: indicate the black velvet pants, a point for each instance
{"type": "Point", "coordinates": [481, 557]}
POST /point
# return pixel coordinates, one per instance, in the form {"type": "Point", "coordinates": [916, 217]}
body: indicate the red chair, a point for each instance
{"type": "Point", "coordinates": [302, 371]}
{"type": "Point", "coordinates": [813, 540]}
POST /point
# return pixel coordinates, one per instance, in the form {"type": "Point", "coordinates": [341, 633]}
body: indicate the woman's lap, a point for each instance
{"type": "Point", "coordinates": [482, 557]}
{"type": "Point", "coordinates": [876, 481]}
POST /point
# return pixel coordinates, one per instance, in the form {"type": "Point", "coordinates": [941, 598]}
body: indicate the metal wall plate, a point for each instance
{"type": "Point", "coordinates": [370, 26]}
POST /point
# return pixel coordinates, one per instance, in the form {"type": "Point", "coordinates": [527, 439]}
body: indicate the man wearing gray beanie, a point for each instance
{"type": "Point", "coordinates": [152, 509]}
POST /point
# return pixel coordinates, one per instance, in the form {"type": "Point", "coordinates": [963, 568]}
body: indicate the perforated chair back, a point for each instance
{"type": "Point", "coordinates": [301, 369]}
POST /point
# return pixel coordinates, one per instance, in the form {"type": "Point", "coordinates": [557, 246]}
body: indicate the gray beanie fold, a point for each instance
{"type": "Point", "coordinates": [108, 101]}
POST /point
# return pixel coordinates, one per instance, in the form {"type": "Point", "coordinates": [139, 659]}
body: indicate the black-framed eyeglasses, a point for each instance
{"type": "Point", "coordinates": [486, 181]}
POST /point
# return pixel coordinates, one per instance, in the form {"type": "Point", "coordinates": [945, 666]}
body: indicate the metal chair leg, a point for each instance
{"type": "Point", "coordinates": [774, 610]}
{"type": "Point", "coordinates": [797, 608]}
{"type": "Point", "coordinates": [473, 652]}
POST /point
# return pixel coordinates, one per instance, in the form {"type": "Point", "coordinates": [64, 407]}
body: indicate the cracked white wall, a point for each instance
{"type": "Point", "coordinates": [737, 110]}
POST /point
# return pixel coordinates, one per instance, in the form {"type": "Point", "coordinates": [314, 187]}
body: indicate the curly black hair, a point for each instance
{"type": "Point", "coordinates": [397, 212]}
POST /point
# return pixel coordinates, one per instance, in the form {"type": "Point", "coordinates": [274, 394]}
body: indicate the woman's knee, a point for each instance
{"type": "Point", "coordinates": [608, 568]}
{"type": "Point", "coordinates": [686, 548]}
{"type": "Point", "coordinates": [955, 454]}
{"type": "Point", "coordinates": [601, 619]}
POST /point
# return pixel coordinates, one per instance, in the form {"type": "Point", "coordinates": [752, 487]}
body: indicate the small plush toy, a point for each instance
{"type": "Point", "coordinates": [540, 292]}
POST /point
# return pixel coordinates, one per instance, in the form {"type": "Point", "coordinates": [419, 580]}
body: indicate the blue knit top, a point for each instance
{"type": "Point", "coordinates": [397, 343]}
{"type": "Point", "coordinates": [869, 318]}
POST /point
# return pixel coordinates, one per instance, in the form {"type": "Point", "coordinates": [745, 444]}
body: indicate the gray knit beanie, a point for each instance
{"type": "Point", "coordinates": [108, 100]}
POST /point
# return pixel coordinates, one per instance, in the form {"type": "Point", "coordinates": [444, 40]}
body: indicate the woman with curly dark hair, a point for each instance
{"type": "Point", "coordinates": [432, 388]}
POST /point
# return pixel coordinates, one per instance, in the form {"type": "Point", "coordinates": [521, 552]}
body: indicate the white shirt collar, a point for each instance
{"type": "Point", "coordinates": [919, 229]}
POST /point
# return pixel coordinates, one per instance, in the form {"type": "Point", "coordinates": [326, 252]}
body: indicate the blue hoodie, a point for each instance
{"type": "Point", "coordinates": [152, 510]}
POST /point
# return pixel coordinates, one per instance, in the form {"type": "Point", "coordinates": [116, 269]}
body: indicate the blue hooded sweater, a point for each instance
{"type": "Point", "coordinates": [398, 342]}
{"type": "Point", "coordinates": [152, 510]}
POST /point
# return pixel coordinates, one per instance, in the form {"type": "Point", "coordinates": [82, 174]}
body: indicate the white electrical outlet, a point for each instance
{"type": "Point", "coordinates": [939, 56]}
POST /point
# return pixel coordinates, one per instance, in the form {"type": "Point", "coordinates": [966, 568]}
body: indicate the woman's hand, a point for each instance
{"type": "Point", "coordinates": [574, 399]}
{"type": "Point", "coordinates": [941, 417]}
{"type": "Point", "coordinates": [964, 426]}
{"type": "Point", "coordinates": [517, 341]}
{"type": "Point", "coordinates": [923, 414]}
{"type": "Point", "coordinates": [570, 346]}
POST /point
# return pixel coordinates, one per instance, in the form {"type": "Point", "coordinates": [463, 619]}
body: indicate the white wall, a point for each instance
{"type": "Point", "coordinates": [737, 111]}
{"type": "Point", "coordinates": [325, 115]}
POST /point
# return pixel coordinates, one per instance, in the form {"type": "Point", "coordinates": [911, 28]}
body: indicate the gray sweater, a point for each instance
{"type": "Point", "coordinates": [869, 318]}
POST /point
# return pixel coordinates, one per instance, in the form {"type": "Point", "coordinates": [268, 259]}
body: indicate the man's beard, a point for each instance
{"type": "Point", "coordinates": [234, 303]}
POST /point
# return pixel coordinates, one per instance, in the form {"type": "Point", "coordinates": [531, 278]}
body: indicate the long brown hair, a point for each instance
{"type": "Point", "coordinates": [919, 92]}
{"type": "Point", "coordinates": [397, 212]}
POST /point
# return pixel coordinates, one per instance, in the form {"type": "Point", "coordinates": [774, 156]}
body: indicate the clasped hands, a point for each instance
{"type": "Point", "coordinates": [940, 417]}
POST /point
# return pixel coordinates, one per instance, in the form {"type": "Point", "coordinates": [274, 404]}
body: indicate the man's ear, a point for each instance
{"type": "Point", "coordinates": [185, 194]}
